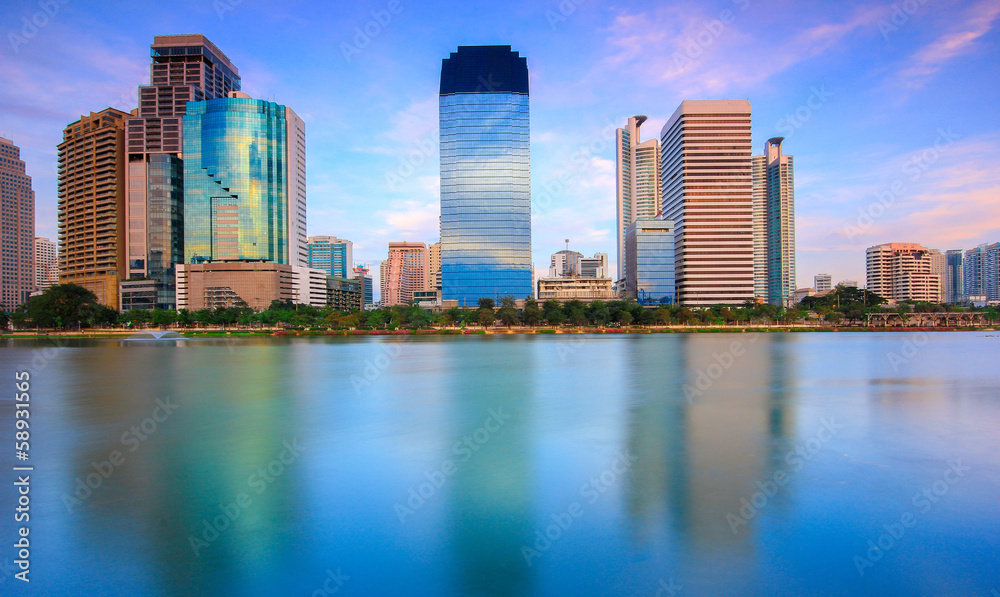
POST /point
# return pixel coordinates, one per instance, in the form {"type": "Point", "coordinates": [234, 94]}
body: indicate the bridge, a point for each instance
{"type": "Point", "coordinates": [926, 319]}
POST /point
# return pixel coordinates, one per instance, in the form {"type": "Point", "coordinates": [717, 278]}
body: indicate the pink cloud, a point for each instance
{"type": "Point", "coordinates": [932, 57]}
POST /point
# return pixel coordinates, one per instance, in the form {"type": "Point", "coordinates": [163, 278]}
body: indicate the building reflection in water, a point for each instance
{"type": "Point", "coordinates": [232, 421]}
{"type": "Point", "coordinates": [490, 502]}
{"type": "Point", "coordinates": [709, 419]}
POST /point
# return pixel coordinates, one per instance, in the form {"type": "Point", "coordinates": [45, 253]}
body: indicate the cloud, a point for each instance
{"type": "Point", "coordinates": [943, 198]}
{"type": "Point", "coordinates": [410, 220]}
{"type": "Point", "coordinates": [699, 53]}
{"type": "Point", "coordinates": [931, 58]}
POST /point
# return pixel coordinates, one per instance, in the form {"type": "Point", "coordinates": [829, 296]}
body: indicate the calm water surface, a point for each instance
{"type": "Point", "coordinates": [701, 464]}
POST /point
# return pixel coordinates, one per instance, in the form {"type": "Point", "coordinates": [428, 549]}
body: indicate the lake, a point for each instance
{"type": "Point", "coordinates": [660, 464]}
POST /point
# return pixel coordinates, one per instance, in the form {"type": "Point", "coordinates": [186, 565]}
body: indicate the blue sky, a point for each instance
{"type": "Point", "coordinates": [890, 109]}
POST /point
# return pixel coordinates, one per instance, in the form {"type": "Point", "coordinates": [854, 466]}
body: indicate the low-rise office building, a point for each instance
{"type": "Point", "coordinates": [578, 288]}
{"type": "Point", "coordinates": [344, 294]}
{"type": "Point", "coordinates": [649, 262]}
{"type": "Point", "coordinates": [229, 284]}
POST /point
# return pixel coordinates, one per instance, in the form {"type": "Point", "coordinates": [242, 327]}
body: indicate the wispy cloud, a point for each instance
{"type": "Point", "coordinates": [962, 39]}
{"type": "Point", "coordinates": [699, 53]}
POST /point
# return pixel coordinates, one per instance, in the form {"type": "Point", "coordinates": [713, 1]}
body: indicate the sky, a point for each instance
{"type": "Point", "coordinates": [889, 108]}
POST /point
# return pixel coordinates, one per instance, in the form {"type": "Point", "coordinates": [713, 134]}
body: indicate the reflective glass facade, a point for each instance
{"type": "Point", "coordinates": [485, 175]}
{"type": "Point", "coordinates": [649, 262]}
{"type": "Point", "coordinates": [165, 223]}
{"type": "Point", "coordinates": [235, 181]}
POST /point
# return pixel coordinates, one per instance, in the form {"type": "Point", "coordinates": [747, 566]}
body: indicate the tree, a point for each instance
{"type": "Point", "coordinates": [419, 317]}
{"type": "Point", "coordinates": [453, 315]}
{"type": "Point", "coordinates": [486, 303]}
{"type": "Point", "coordinates": [598, 313]}
{"type": "Point", "coordinates": [532, 315]}
{"type": "Point", "coordinates": [60, 306]}
{"type": "Point", "coordinates": [625, 318]}
{"type": "Point", "coordinates": [552, 311]}
{"type": "Point", "coordinates": [163, 317]}
{"type": "Point", "coordinates": [98, 315]}
{"type": "Point", "coordinates": [685, 315]}
{"type": "Point", "coordinates": [833, 317]}
{"type": "Point", "coordinates": [486, 317]}
{"type": "Point", "coordinates": [575, 311]}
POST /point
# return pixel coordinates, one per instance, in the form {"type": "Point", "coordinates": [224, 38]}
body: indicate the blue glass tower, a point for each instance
{"type": "Point", "coordinates": [649, 262]}
{"type": "Point", "coordinates": [235, 187]}
{"type": "Point", "coordinates": [485, 175]}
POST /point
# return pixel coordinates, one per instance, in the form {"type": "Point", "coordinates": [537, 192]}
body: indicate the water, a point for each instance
{"type": "Point", "coordinates": [634, 453]}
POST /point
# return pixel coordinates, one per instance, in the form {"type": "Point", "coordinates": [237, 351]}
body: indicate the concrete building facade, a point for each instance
{"type": "Point", "coordinates": [575, 288]}
{"type": "Point", "coordinates": [779, 224]}
{"type": "Point", "coordinates": [637, 180]}
{"type": "Point", "coordinates": [434, 266]}
{"type": "Point", "coordinates": [403, 273]}
{"type": "Point", "coordinates": [823, 282]}
{"type": "Point", "coordinates": [231, 284]}
{"type": "Point", "coordinates": [91, 191]}
{"type": "Point", "coordinates": [46, 263]}
{"type": "Point", "coordinates": [903, 271]}
{"type": "Point", "coordinates": [980, 270]}
{"type": "Point", "coordinates": [331, 254]}
{"type": "Point", "coordinates": [344, 294]}
{"type": "Point", "coordinates": [18, 268]}
{"type": "Point", "coordinates": [706, 182]}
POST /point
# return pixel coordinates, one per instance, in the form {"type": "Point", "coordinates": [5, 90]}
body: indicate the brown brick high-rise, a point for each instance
{"type": "Point", "coordinates": [92, 203]}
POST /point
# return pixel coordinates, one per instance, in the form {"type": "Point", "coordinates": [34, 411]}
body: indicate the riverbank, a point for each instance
{"type": "Point", "coordinates": [448, 331]}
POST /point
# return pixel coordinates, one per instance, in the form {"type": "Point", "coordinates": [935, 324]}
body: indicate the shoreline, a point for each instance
{"type": "Point", "coordinates": [214, 333]}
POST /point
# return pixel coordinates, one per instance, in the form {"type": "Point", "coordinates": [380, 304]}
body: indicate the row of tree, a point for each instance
{"type": "Point", "coordinates": [68, 306]}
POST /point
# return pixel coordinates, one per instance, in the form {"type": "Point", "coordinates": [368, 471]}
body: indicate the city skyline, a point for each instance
{"type": "Point", "coordinates": [890, 146]}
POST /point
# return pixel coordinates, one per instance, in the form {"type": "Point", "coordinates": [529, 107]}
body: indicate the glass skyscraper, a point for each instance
{"type": "Point", "coordinates": [240, 200]}
{"type": "Point", "coordinates": [649, 262]}
{"type": "Point", "coordinates": [333, 255]}
{"type": "Point", "coordinates": [485, 175]}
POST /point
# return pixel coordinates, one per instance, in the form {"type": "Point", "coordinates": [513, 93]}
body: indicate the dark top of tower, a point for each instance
{"type": "Point", "coordinates": [484, 69]}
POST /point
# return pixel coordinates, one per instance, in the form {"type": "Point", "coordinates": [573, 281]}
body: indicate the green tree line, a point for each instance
{"type": "Point", "coordinates": [68, 306]}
